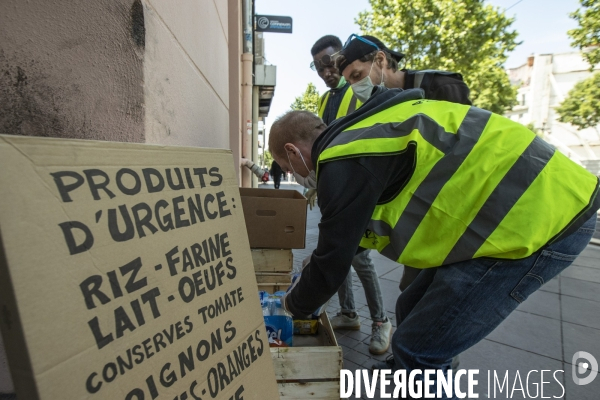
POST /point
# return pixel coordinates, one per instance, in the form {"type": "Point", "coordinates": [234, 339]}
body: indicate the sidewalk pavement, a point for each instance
{"type": "Point", "coordinates": [544, 333]}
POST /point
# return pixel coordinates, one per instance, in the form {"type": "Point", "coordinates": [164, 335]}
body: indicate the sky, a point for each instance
{"type": "Point", "coordinates": [542, 26]}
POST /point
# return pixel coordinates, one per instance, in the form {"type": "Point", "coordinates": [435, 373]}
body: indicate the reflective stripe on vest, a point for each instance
{"type": "Point", "coordinates": [322, 104]}
{"type": "Point", "coordinates": [482, 186]}
{"type": "Point", "coordinates": [348, 105]}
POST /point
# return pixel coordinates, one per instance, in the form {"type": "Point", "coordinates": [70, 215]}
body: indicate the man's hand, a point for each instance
{"type": "Point", "coordinates": [311, 196]}
{"type": "Point", "coordinates": [245, 162]}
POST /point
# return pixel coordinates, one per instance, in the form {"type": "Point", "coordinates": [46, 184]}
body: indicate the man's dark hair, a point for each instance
{"type": "Point", "coordinates": [325, 42]}
{"type": "Point", "coordinates": [363, 51]}
{"type": "Point", "coordinates": [391, 62]}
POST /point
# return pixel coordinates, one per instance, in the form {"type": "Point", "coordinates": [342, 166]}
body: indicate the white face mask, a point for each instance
{"type": "Point", "coordinates": [310, 182]}
{"type": "Point", "coordinates": [363, 88]}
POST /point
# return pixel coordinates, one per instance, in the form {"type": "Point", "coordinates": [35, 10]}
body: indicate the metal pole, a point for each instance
{"type": "Point", "coordinates": [247, 61]}
{"type": "Point", "coordinates": [255, 131]}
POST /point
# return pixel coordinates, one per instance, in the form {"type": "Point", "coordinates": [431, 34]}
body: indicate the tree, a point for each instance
{"type": "Point", "coordinates": [588, 33]}
{"type": "Point", "coordinates": [308, 101]}
{"type": "Point", "coordinates": [582, 105]}
{"type": "Point", "coordinates": [268, 158]}
{"type": "Point", "coordinates": [464, 36]}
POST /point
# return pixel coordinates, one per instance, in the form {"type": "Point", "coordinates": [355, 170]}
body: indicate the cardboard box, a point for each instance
{"type": "Point", "coordinates": [126, 273]}
{"type": "Point", "coordinates": [275, 219]}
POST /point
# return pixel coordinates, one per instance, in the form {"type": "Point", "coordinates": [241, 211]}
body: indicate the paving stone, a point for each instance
{"type": "Point", "coordinates": [390, 292]}
{"type": "Point", "coordinates": [591, 251]}
{"type": "Point", "coordinates": [580, 338]}
{"type": "Point", "coordinates": [364, 312]}
{"type": "Point", "coordinates": [582, 273]}
{"type": "Point", "coordinates": [351, 366]}
{"type": "Point", "coordinates": [539, 335]}
{"type": "Point", "coordinates": [579, 288]}
{"type": "Point", "coordinates": [357, 335]}
{"type": "Point", "coordinates": [363, 347]}
{"type": "Point", "coordinates": [579, 392]}
{"type": "Point", "coordinates": [347, 341]}
{"type": "Point", "coordinates": [587, 262]}
{"type": "Point", "coordinates": [384, 266]}
{"type": "Point", "coordinates": [541, 303]}
{"type": "Point", "coordinates": [355, 356]}
{"type": "Point", "coordinates": [581, 312]}
{"type": "Point", "coordinates": [366, 328]}
{"type": "Point", "coordinates": [394, 275]}
{"type": "Point", "coordinates": [552, 286]}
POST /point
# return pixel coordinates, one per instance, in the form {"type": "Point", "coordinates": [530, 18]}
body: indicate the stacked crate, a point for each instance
{"type": "Point", "coordinates": [310, 369]}
{"type": "Point", "coordinates": [276, 223]}
{"type": "Point", "coordinates": [273, 269]}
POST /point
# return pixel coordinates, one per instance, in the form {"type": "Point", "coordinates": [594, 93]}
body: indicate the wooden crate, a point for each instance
{"type": "Point", "coordinates": [310, 369]}
{"type": "Point", "coordinates": [273, 282]}
{"type": "Point", "coordinates": [269, 260]}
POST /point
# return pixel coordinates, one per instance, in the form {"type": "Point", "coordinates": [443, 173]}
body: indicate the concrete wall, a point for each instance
{"type": "Point", "coordinates": [185, 72]}
{"type": "Point", "coordinates": [71, 68]}
{"type": "Point", "coordinates": [153, 71]}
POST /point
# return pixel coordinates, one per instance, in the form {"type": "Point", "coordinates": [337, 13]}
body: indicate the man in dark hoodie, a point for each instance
{"type": "Point", "coordinates": [364, 62]}
{"type": "Point", "coordinates": [333, 104]}
{"type": "Point", "coordinates": [488, 211]}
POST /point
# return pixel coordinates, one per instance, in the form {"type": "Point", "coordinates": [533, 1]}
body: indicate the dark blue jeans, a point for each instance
{"type": "Point", "coordinates": [448, 309]}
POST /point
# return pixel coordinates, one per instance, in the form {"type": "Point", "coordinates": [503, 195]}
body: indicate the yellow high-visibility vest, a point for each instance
{"type": "Point", "coordinates": [482, 185]}
{"type": "Point", "coordinates": [349, 104]}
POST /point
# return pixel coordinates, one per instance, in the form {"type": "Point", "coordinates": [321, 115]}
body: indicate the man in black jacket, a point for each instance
{"type": "Point", "coordinates": [276, 174]}
{"type": "Point", "coordinates": [333, 104]}
{"type": "Point", "coordinates": [366, 62]}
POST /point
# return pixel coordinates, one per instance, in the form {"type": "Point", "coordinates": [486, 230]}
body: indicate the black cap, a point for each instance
{"type": "Point", "coordinates": [357, 49]}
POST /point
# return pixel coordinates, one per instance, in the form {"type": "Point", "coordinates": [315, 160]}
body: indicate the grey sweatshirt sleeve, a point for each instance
{"type": "Point", "coordinates": [347, 194]}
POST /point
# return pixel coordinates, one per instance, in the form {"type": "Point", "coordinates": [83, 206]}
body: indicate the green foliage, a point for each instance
{"type": "Point", "coordinates": [465, 36]}
{"type": "Point", "coordinates": [267, 159]}
{"type": "Point", "coordinates": [309, 100]}
{"type": "Point", "coordinates": [582, 105]}
{"type": "Point", "coordinates": [588, 32]}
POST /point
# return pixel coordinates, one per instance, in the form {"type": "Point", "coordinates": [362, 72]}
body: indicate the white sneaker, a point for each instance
{"type": "Point", "coordinates": [380, 337]}
{"type": "Point", "coordinates": [342, 321]}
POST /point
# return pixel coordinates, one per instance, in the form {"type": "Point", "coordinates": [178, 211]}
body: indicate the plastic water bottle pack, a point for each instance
{"type": "Point", "coordinates": [280, 327]}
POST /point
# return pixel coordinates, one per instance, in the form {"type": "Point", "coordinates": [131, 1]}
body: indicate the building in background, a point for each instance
{"type": "Point", "coordinates": [265, 80]}
{"type": "Point", "coordinates": [544, 81]}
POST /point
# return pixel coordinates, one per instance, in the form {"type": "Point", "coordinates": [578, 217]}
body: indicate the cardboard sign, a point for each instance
{"type": "Point", "coordinates": [125, 273]}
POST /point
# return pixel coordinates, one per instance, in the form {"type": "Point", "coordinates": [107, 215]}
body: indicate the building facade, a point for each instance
{"type": "Point", "coordinates": [544, 81]}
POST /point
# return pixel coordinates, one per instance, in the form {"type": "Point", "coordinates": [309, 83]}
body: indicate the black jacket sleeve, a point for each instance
{"type": "Point", "coordinates": [452, 90]}
{"type": "Point", "coordinates": [347, 193]}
